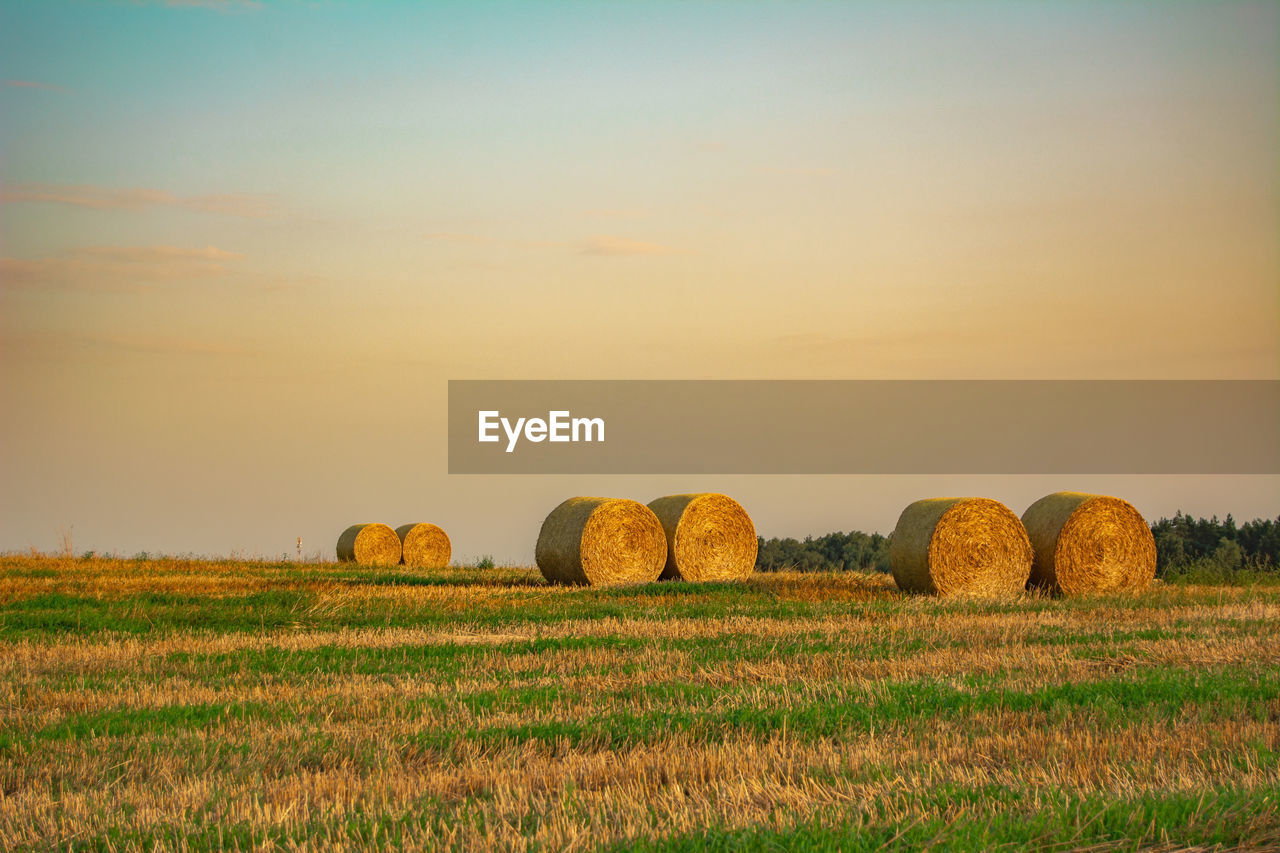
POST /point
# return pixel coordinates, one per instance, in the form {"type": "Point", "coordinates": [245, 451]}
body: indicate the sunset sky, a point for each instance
{"type": "Point", "coordinates": [244, 246]}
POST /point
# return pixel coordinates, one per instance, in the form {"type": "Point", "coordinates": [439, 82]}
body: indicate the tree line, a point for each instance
{"type": "Point", "coordinates": [1183, 544]}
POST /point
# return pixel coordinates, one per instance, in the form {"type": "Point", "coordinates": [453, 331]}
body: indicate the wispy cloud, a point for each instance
{"type": "Point", "coordinates": [937, 337]}
{"type": "Point", "coordinates": [803, 171]}
{"type": "Point", "coordinates": [167, 345]}
{"type": "Point", "coordinates": [992, 348]}
{"type": "Point", "coordinates": [112, 198]}
{"type": "Point", "coordinates": [215, 5]}
{"type": "Point", "coordinates": [608, 244]}
{"type": "Point", "coordinates": [17, 272]}
{"type": "Point", "coordinates": [289, 283]}
{"type": "Point", "coordinates": [614, 212]}
{"type": "Point", "coordinates": [30, 84]}
{"type": "Point", "coordinates": [543, 244]}
{"type": "Point", "coordinates": [600, 244]}
{"type": "Point", "coordinates": [154, 254]}
{"type": "Point", "coordinates": [455, 237]}
{"type": "Point", "coordinates": [484, 240]}
{"type": "Point", "coordinates": [59, 340]}
{"type": "Point", "coordinates": [116, 267]}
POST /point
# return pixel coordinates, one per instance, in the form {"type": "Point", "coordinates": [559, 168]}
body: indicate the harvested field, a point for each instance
{"type": "Point", "coordinates": [205, 705]}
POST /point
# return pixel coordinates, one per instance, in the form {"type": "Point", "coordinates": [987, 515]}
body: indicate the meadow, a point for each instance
{"type": "Point", "coordinates": [182, 704]}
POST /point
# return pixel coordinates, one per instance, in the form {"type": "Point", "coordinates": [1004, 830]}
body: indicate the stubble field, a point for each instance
{"type": "Point", "coordinates": [183, 704]}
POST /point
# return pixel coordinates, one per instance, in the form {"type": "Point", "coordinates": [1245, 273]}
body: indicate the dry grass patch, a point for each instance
{"type": "Point", "coordinates": [585, 718]}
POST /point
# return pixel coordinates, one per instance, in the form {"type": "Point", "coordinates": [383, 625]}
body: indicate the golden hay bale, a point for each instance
{"type": "Point", "coordinates": [602, 542]}
{"type": "Point", "coordinates": [425, 545]}
{"type": "Point", "coordinates": [710, 537]}
{"type": "Point", "coordinates": [369, 545]}
{"type": "Point", "coordinates": [1089, 543]}
{"type": "Point", "coordinates": [960, 546]}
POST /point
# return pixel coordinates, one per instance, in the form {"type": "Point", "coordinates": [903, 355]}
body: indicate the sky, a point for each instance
{"type": "Point", "coordinates": [244, 246]}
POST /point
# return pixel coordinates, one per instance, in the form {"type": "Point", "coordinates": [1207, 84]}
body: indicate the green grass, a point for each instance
{"type": "Point", "coordinates": [204, 705]}
{"type": "Point", "coordinates": [994, 817]}
{"type": "Point", "coordinates": [55, 615]}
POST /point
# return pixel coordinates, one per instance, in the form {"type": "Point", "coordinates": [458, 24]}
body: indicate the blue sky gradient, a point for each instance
{"type": "Point", "coordinates": [245, 245]}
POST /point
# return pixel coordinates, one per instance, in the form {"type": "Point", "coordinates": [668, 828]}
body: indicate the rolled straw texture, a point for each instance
{"type": "Point", "coordinates": [424, 545]}
{"type": "Point", "coordinates": [960, 546]}
{"type": "Point", "coordinates": [710, 537]}
{"type": "Point", "coordinates": [369, 545]}
{"type": "Point", "coordinates": [1088, 544]}
{"type": "Point", "coordinates": [601, 542]}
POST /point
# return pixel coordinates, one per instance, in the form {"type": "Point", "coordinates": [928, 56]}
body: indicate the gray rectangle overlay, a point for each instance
{"type": "Point", "coordinates": [869, 427]}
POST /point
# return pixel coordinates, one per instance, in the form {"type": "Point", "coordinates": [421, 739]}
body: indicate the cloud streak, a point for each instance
{"type": "Point", "coordinates": [30, 84]}
{"type": "Point", "coordinates": [615, 212]}
{"type": "Point", "coordinates": [111, 198]}
{"type": "Point", "coordinates": [166, 345]}
{"type": "Point", "coordinates": [115, 268]}
{"type": "Point", "coordinates": [59, 341]}
{"type": "Point", "coordinates": [214, 5]}
{"type": "Point", "coordinates": [456, 237]}
{"type": "Point", "coordinates": [805, 172]}
{"type": "Point", "coordinates": [609, 244]}
{"type": "Point", "coordinates": [484, 240]}
{"type": "Point", "coordinates": [154, 254]}
{"type": "Point", "coordinates": [599, 244]}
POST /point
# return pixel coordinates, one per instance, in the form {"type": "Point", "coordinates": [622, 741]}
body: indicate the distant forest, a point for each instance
{"type": "Point", "coordinates": [1183, 544]}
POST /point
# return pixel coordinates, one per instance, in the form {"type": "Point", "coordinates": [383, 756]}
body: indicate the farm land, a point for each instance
{"type": "Point", "coordinates": [183, 704]}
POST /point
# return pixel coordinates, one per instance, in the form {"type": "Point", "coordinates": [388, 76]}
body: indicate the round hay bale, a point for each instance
{"type": "Point", "coordinates": [710, 537]}
{"type": "Point", "coordinates": [1089, 543]}
{"type": "Point", "coordinates": [960, 546]}
{"type": "Point", "coordinates": [601, 542]}
{"type": "Point", "coordinates": [369, 545]}
{"type": "Point", "coordinates": [424, 545]}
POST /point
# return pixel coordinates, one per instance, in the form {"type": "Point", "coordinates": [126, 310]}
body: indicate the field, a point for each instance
{"type": "Point", "coordinates": [182, 704]}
